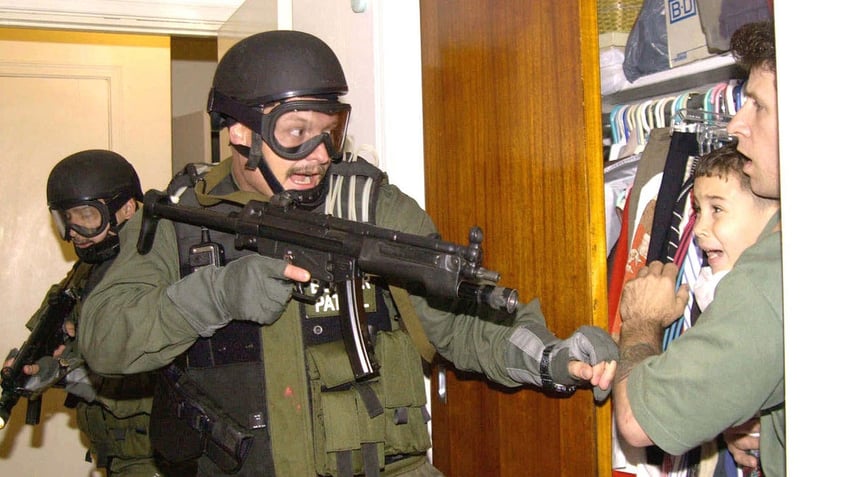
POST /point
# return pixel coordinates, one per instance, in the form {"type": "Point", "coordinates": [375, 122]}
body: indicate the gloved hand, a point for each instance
{"type": "Point", "coordinates": [251, 288]}
{"type": "Point", "coordinates": [588, 344]}
{"type": "Point", "coordinates": [52, 370]}
{"type": "Point", "coordinates": [532, 339]}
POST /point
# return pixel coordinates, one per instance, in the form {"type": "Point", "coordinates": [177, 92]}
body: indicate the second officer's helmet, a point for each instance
{"type": "Point", "coordinates": [86, 189]}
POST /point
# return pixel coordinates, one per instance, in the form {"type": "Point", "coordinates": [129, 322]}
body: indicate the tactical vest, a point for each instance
{"type": "Point", "coordinates": [321, 420]}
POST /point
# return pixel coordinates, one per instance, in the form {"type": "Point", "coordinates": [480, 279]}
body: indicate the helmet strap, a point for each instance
{"type": "Point", "coordinates": [99, 253]}
{"type": "Point", "coordinates": [255, 155]}
{"type": "Point", "coordinates": [270, 178]}
{"type": "Point", "coordinates": [304, 199]}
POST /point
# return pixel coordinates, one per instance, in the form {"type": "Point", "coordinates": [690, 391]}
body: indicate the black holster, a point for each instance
{"type": "Point", "coordinates": [186, 424]}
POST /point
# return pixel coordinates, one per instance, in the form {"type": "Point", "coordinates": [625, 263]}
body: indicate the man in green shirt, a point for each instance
{"type": "Point", "coordinates": [728, 368]}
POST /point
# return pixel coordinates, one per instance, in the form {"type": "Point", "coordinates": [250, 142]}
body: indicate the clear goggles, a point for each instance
{"type": "Point", "coordinates": [294, 128]}
{"type": "Point", "coordinates": [88, 219]}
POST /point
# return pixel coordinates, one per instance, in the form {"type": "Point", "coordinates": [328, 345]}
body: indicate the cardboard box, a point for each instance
{"type": "Point", "coordinates": [686, 40]}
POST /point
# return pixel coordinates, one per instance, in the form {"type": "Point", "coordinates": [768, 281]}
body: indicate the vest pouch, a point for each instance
{"type": "Point", "coordinates": [347, 417]}
{"type": "Point", "coordinates": [403, 394]}
{"type": "Point", "coordinates": [125, 438]}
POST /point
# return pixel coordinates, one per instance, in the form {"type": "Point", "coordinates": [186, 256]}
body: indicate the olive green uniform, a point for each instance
{"type": "Point", "coordinates": [311, 412]}
{"type": "Point", "coordinates": [115, 416]}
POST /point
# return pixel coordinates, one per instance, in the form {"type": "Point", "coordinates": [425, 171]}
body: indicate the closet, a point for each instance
{"type": "Point", "coordinates": [649, 217]}
{"type": "Point", "coordinates": [658, 127]}
{"type": "Point", "coordinates": [513, 138]}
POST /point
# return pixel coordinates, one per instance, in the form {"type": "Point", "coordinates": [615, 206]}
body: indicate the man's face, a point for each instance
{"type": "Point", "coordinates": [88, 217]}
{"type": "Point", "coordinates": [301, 174]}
{"type": "Point", "coordinates": [755, 127]}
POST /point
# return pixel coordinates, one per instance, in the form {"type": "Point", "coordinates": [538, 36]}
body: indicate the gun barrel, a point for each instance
{"type": "Point", "coordinates": [498, 298]}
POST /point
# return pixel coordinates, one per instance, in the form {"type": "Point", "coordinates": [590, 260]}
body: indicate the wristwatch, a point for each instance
{"type": "Point", "coordinates": [548, 383]}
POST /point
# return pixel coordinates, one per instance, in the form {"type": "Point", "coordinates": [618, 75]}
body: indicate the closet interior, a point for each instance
{"type": "Point", "coordinates": [656, 126]}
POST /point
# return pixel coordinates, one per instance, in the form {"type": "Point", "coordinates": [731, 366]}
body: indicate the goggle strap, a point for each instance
{"type": "Point", "coordinates": [242, 113]}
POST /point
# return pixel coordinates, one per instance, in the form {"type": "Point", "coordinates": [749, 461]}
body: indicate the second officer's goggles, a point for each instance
{"type": "Point", "coordinates": [294, 128]}
{"type": "Point", "coordinates": [88, 219]}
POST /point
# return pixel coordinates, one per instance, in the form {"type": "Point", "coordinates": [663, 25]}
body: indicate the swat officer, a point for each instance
{"type": "Point", "coordinates": [91, 194]}
{"type": "Point", "coordinates": [264, 373]}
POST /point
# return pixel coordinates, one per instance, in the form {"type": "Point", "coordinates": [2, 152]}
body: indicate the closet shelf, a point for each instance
{"type": "Point", "coordinates": [713, 69]}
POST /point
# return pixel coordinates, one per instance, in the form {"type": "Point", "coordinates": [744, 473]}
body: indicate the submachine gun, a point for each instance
{"type": "Point", "coordinates": [337, 252]}
{"type": "Point", "coordinates": [47, 334]}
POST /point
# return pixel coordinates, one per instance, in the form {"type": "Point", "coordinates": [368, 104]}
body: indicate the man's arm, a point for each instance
{"type": "Point", "coordinates": [142, 315]}
{"type": "Point", "coordinates": [649, 303]}
{"type": "Point", "coordinates": [506, 349]}
{"type": "Point", "coordinates": [126, 324]}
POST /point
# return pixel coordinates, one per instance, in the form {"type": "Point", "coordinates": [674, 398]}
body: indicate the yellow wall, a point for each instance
{"type": "Point", "coordinates": [62, 92]}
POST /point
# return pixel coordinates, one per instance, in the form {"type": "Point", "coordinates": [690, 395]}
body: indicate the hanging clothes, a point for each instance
{"type": "Point", "coordinates": [656, 224]}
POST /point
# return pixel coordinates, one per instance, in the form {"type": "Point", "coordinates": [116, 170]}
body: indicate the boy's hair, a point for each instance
{"type": "Point", "coordinates": [753, 46]}
{"type": "Point", "coordinates": [724, 162]}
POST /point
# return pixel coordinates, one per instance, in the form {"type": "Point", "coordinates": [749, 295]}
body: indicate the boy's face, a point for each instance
{"type": "Point", "coordinates": [729, 219]}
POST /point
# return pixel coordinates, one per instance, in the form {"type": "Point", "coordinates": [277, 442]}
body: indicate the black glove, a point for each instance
{"type": "Point", "coordinates": [251, 288]}
{"type": "Point", "coordinates": [52, 371]}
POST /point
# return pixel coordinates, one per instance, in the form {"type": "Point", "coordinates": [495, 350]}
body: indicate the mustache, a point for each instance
{"type": "Point", "coordinates": [308, 169]}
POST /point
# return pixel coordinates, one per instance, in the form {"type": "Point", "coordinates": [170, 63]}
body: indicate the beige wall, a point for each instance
{"type": "Point", "coordinates": [193, 63]}
{"type": "Point", "coordinates": [61, 92]}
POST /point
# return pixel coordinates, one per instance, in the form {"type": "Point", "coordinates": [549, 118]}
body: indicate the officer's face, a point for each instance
{"type": "Point", "coordinates": [302, 174]}
{"type": "Point", "coordinates": [299, 127]}
{"type": "Point", "coordinates": [86, 217]}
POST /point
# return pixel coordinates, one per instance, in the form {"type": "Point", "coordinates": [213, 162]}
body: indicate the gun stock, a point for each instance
{"type": "Point", "coordinates": [338, 251]}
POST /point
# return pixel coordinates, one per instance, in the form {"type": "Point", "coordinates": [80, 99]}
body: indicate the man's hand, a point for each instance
{"type": "Point", "coordinates": [649, 303]}
{"type": "Point", "coordinates": [651, 296]}
{"type": "Point", "coordinates": [251, 288]}
{"type": "Point", "coordinates": [743, 439]}
{"type": "Point", "coordinates": [591, 355]}
{"type": "Point", "coordinates": [296, 274]}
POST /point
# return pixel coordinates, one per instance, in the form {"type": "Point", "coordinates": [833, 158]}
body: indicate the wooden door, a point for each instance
{"type": "Point", "coordinates": [512, 140]}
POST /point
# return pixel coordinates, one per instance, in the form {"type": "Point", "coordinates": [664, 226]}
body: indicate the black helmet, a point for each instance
{"type": "Point", "coordinates": [275, 65]}
{"type": "Point", "coordinates": [91, 175]}
{"type": "Point", "coordinates": [269, 68]}
{"type": "Point", "coordinates": [84, 192]}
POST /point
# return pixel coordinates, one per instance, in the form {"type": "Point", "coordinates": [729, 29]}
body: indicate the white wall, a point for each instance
{"type": "Point", "coordinates": [814, 168]}
{"type": "Point", "coordinates": [190, 83]}
{"type": "Point", "coordinates": [380, 52]}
